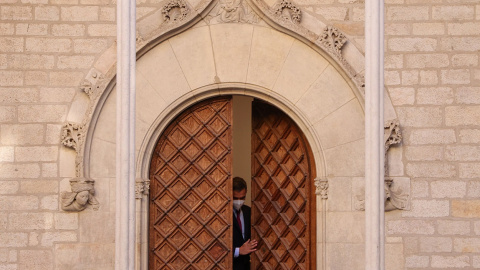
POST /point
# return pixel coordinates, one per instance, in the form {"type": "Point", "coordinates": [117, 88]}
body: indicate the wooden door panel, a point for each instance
{"type": "Point", "coordinates": [190, 178]}
{"type": "Point", "coordinates": [283, 207]}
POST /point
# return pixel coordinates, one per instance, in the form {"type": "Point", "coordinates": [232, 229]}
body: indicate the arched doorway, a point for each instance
{"type": "Point", "coordinates": [190, 198]}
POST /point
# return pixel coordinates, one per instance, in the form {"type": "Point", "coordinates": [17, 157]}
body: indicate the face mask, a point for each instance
{"type": "Point", "coordinates": [237, 204]}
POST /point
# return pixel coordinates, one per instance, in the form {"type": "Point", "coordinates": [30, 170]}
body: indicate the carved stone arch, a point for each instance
{"type": "Point", "coordinates": [336, 135]}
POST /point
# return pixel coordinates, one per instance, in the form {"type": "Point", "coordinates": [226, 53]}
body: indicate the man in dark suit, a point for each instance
{"type": "Point", "coordinates": [242, 245]}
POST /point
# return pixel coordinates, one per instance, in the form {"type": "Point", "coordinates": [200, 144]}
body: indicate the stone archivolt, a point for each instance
{"type": "Point", "coordinates": [177, 15]}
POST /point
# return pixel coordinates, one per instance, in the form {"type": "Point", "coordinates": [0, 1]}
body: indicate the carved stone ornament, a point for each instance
{"type": "Point", "coordinates": [288, 11]}
{"type": "Point", "coordinates": [142, 187]}
{"type": "Point", "coordinates": [391, 135]}
{"type": "Point", "coordinates": [321, 185]}
{"type": "Point", "coordinates": [397, 194]}
{"type": "Point", "coordinates": [92, 84]}
{"type": "Point", "coordinates": [233, 11]}
{"type": "Point", "coordinates": [72, 135]}
{"type": "Point", "coordinates": [81, 196]}
{"type": "Point", "coordinates": [175, 10]}
{"type": "Point", "coordinates": [332, 38]}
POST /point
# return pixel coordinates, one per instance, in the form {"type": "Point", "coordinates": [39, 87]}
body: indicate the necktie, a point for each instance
{"type": "Point", "coordinates": [239, 221]}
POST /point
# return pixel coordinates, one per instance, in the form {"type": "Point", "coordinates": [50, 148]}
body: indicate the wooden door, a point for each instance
{"type": "Point", "coordinates": [283, 209]}
{"type": "Point", "coordinates": [190, 173]}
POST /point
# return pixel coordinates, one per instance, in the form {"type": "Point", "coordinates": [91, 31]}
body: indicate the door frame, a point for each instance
{"type": "Point", "coordinates": [168, 115]}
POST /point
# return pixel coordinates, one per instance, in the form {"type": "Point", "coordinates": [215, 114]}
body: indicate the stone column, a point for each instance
{"type": "Point", "coordinates": [125, 137]}
{"type": "Point", "coordinates": [374, 145]}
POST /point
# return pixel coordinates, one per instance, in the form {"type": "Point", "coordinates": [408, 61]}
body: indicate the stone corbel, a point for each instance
{"type": "Point", "coordinates": [82, 195]}
{"type": "Point", "coordinates": [321, 185]}
{"type": "Point", "coordinates": [397, 189]}
{"type": "Point", "coordinates": [142, 187]}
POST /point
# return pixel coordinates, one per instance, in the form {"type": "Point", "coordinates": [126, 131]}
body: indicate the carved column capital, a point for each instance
{"type": "Point", "coordinates": [142, 187]}
{"type": "Point", "coordinates": [321, 185]}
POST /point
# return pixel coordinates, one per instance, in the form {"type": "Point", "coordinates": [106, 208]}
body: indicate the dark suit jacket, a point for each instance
{"type": "Point", "coordinates": [242, 262]}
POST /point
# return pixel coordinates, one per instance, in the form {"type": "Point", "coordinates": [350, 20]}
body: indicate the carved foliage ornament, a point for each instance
{"type": "Point", "coordinates": [288, 11]}
{"type": "Point", "coordinates": [321, 188]}
{"type": "Point", "coordinates": [175, 10]}
{"type": "Point", "coordinates": [72, 135]}
{"type": "Point", "coordinates": [333, 39]}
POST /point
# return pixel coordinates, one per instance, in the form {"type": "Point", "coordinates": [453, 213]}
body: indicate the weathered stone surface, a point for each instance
{"type": "Point", "coordinates": [448, 189]}
{"type": "Point", "coordinates": [36, 153]}
{"type": "Point", "coordinates": [50, 238]}
{"type": "Point", "coordinates": [431, 170]}
{"type": "Point", "coordinates": [424, 153]}
{"type": "Point", "coordinates": [39, 186]}
{"type": "Point", "coordinates": [18, 202]}
{"type": "Point", "coordinates": [428, 208]}
{"type": "Point", "coordinates": [466, 245]}
{"type": "Point", "coordinates": [435, 244]}
{"type": "Point", "coordinates": [35, 260]}
{"type": "Point", "coordinates": [416, 261]}
{"type": "Point", "coordinates": [84, 256]}
{"type": "Point", "coordinates": [457, 115]}
{"type": "Point", "coordinates": [42, 113]}
{"type": "Point", "coordinates": [469, 170]}
{"type": "Point", "coordinates": [10, 240]}
{"type": "Point", "coordinates": [420, 116]}
{"type": "Point", "coordinates": [450, 261]}
{"type": "Point", "coordinates": [30, 221]}
{"type": "Point", "coordinates": [435, 95]}
{"type": "Point", "coordinates": [411, 226]}
{"type": "Point", "coordinates": [453, 227]}
{"type": "Point", "coordinates": [466, 208]}
{"type": "Point", "coordinates": [66, 221]}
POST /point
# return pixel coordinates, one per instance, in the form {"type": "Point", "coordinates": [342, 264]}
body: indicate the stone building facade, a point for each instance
{"type": "Point", "coordinates": [306, 57]}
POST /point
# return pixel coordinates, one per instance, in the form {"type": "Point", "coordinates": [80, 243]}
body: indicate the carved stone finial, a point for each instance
{"type": "Point", "coordinates": [175, 10]}
{"type": "Point", "coordinates": [142, 187]}
{"type": "Point", "coordinates": [233, 11]}
{"type": "Point", "coordinates": [333, 39]}
{"type": "Point", "coordinates": [287, 10]}
{"type": "Point", "coordinates": [82, 195]}
{"type": "Point", "coordinates": [72, 135]}
{"type": "Point", "coordinates": [321, 185]}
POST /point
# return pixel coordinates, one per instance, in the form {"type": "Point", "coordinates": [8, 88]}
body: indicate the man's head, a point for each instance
{"type": "Point", "coordinates": [239, 192]}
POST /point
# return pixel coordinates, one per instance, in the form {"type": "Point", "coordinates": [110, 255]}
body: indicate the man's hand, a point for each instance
{"type": "Point", "coordinates": [248, 247]}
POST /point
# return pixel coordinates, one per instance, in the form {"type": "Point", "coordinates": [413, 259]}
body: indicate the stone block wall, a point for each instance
{"type": "Point", "coordinates": [432, 76]}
